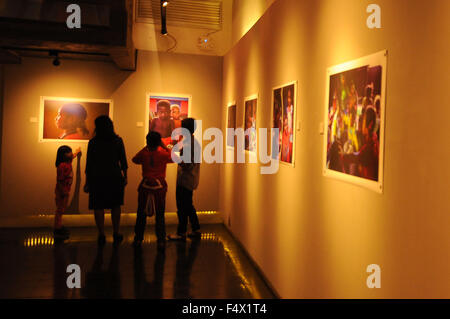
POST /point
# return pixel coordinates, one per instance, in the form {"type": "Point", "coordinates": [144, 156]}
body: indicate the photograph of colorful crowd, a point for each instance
{"type": "Point", "coordinates": [354, 120]}
{"type": "Point", "coordinates": [166, 114]}
{"type": "Point", "coordinates": [283, 114]}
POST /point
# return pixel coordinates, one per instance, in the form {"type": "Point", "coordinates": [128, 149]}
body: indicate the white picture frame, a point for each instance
{"type": "Point", "coordinates": [373, 60]}
{"type": "Point", "coordinates": [247, 99]}
{"type": "Point", "coordinates": [168, 96]}
{"type": "Point", "coordinates": [43, 100]}
{"type": "Point", "coordinates": [229, 105]}
{"type": "Point", "coordinates": [294, 120]}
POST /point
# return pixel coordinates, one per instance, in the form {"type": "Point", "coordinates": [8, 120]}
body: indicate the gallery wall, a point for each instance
{"type": "Point", "coordinates": [2, 82]}
{"type": "Point", "coordinates": [28, 174]}
{"type": "Point", "coordinates": [245, 14]}
{"type": "Point", "coordinates": [313, 236]}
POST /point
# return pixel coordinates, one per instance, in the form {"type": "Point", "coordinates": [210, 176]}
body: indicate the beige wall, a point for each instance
{"type": "Point", "coordinates": [312, 236]}
{"type": "Point", "coordinates": [2, 72]}
{"type": "Point", "coordinates": [245, 14]}
{"type": "Point", "coordinates": [27, 166]}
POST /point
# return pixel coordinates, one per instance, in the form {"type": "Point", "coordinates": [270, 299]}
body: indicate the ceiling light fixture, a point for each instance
{"type": "Point", "coordinates": [163, 17]}
{"type": "Point", "coordinates": [54, 53]}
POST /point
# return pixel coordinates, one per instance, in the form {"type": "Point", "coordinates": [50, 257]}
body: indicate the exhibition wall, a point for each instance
{"type": "Point", "coordinates": [314, 236]}
{"type": "Point", "coordinates": [245, 14]}
{"type": "Point", "coordinates": [28, 173]}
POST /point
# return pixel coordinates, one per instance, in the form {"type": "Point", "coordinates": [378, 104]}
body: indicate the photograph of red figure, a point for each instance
{"type": "Point", "coordinates": [70, 119]}
{"type": "Point", "coordinates": [250, 123]}
{"type": "Point", "coordinates": [165, 113]}
{"type": "Point", "coordinates": [231, 124]}
{"type": "Point", "coordinates": [354, 120]}
{"type": "Point", "coordinates": [283, 118]}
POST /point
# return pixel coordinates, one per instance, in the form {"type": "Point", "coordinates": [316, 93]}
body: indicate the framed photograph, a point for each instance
{"type": "Point", "coordinates": [354, 121]}
{"type": "Point", "coordinates": [250, 108]}
{"type": "Point", "coordinates": [231, 123]}
{"type": "Point", "coordinates": [165, 113]}
{"type": "Point", "coordinates": [284, 112]}
{"type": "Point", "coordinates": [70, 119]}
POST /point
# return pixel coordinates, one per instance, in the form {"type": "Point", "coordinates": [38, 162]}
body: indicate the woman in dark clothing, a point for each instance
{"type": "Point", "coordinates": [106, 176]}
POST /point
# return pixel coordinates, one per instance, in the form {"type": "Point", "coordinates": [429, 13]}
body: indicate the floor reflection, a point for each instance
{"type": "Point", "coordinates": [101, 281]}
{"type": "Point", "coordinates": [142, 287]}
{"type": "Point", "coordinates": [185, 261]}
{"type": "Point", "coordinates": [214, 266]}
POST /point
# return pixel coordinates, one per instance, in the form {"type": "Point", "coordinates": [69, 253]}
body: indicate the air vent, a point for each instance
{"type": "Point", "coordinates": [202, 14]}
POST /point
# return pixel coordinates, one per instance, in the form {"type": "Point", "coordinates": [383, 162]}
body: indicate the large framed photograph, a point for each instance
{"type": "Point", "coordinates": [250, 108]}
{"type": "Point", "coordinates": [70, 119]}
{"type": "Point", "coordinates": [165, 113]}
{"type": "Point", "coordinates": [284, 112]}
{"type": "Point", "coordinates": [231, 124]}
{"type": "Point", "coordinates": [354, 121]}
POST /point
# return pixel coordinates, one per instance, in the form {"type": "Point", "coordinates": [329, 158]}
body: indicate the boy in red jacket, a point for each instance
{"type": "Point", "coordinates": [153, 188]}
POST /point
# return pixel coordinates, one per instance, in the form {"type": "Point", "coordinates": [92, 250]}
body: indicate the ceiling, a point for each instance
{"type": "Point", "coordinates": [189, 23]}
{"type": "Point", "coordinates": [113, 30]}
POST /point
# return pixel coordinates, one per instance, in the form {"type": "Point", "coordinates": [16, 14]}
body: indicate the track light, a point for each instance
{"type": "Point", "coordinates": [163, 17]}
{"type": "Point", "coordinates": [54, 53]}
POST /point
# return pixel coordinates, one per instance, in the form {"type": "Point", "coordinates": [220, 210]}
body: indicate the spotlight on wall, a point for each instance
{"type": "Point", "coordinates": [54, 53]}
{"type": "Point", "coordinates": [163, 17]}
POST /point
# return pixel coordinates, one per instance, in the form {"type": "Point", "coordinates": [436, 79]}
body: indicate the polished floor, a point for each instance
{"type": "Point", "coordinates": [33, 266]}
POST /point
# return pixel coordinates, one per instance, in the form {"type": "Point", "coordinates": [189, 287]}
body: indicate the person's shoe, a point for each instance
{"type": "Point", "coordinates": [195, 234]}
{"type": "Point", "coordinates": [101, 240]}
{"type": "Point", "coordinates": [118, 238]}
{"type": "Point", "coordinates": [176, 237]}
{"type": "Point", "coordinates": [60, 234]}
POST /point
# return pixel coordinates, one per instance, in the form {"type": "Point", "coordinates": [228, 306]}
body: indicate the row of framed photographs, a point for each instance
{"type": "Point", "coordinates": [353, 145]}
{"type": "Point", "coordinates": [73, 119]}
{"type": "Point", "coordinates": [284, 106]}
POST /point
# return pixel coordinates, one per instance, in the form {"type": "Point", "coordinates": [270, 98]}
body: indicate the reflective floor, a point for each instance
{"type": "Point", "coordinates": [32, 266]}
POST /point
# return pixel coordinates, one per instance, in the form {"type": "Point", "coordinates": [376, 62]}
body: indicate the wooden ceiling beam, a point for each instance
{"type": "Point", "coordinates": [9, 57]}
{"type": "Point", "coordinates": [115, 40]}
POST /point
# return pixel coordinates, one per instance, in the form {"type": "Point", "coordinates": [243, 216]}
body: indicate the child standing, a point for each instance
{"type": "Point", "coordinates": [64, 178]}
{"type": "Point", "coordinates": [188, 175]}
{"type": "Point", "coordinates": [153, 188]}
